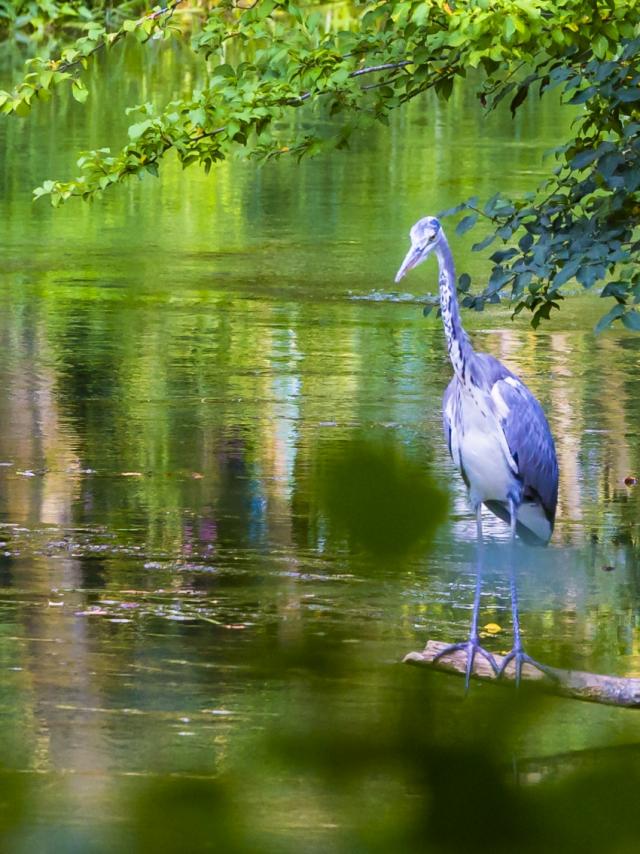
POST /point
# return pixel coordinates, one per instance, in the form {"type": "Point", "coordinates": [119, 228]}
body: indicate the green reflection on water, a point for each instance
{"type": "Point", "coordinates": [181, 365]}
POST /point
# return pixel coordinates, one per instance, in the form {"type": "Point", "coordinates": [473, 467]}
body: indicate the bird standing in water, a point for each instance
{"type": "Point", "coordinates": [498, 437]}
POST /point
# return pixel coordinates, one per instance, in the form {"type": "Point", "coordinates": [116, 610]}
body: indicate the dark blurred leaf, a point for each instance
{"type": "Point", "coordinates": [187, 815]}
{"type": "Point", "coordinates": [380, 499]}
{"type": "Point", "coordinates": [525, 242]}
{"type": "Point", "coordinates": [518, 99]}
{"type": "Point", "coordinates": [464, 282]}
{"type": "Point", "coordinates": [543, 312]}
{"type": "Point", "coordinates": [503, 255]}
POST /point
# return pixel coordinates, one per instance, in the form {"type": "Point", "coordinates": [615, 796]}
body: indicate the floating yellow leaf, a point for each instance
{"type": "Point", "coordinates": [492, 628]}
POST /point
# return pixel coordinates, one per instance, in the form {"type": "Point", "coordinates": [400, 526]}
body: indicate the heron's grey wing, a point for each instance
{"type": "Point", "coordinates": [449, 408]}
{"type": "Point", "coordinates": [529, 439]}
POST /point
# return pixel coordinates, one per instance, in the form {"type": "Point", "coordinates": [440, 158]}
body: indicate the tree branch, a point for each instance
{"type": "Point", "coordinates": [577, 684]}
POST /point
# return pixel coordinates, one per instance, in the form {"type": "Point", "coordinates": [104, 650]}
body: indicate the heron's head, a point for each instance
{"type": "Point", "coordinates": [425, 236]}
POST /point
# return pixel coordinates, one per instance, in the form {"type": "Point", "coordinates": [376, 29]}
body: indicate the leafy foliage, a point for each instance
{"type": "Point", "coordinates": [39, 20]}
{"type": "Point", "coordinates": [269, 62]}
{"type": "Point", "coordinates": [581, 224]}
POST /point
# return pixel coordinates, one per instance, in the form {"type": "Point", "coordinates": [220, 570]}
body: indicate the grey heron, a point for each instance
{"type": "Point", "coordinates": [497, 435]}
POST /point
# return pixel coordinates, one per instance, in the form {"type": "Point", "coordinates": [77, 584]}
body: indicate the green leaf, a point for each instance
{"type": "Point", "coordinates": [503, 255]}
{"type": "Point", "coordinates": [22, 108]}
{"type": "Point", "coordinates": [606, 321]}
{"type": "Point", "coordinates": [618, 290]}
{"type": "Point", "coordinates": [488, 240]}
{"type": "Point", "coordinates": [567, 272]}
{"type": "Point", "coordinates": [45, 79]}
{"type": "Point", "coordinates": [79, 92]}
{"type": "Point", "coordinates": [631, 320]}
{"type": "Point", "coordinates": [452, 211]}
{"type": "Point", "coordinates": [628, 95]}
{"type": "Point", "coordinates": [444, 87]}
{"type": "Point", "coordinates": [466, 223]}
{"type": "Point", "coordinates": [608, 164]}
{"type": "Point", "coordinates": [584, 158]}
{"type": "Point", "coordinates": [587, 276]}
{"type": "Point", "coordinates": [600, 46]}
{"type": "Point", "coordinates": [135, 131]}
{"type": "Point", "coordinates": [197, 116]}
{"type": "Point", "coordinates": [583, 96]}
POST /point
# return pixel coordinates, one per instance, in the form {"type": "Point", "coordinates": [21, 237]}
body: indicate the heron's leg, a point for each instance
{"type": "Point", "coordinates": [517, 654]}
{"type": "Point", "coordinates": [473, 646]}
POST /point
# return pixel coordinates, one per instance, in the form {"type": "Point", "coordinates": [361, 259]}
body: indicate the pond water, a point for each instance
{"type": "Point", "coordinates": [181, 361]}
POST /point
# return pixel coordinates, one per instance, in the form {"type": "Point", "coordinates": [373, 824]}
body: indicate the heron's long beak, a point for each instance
{"type": "Point", "coordinates": [414, 256]}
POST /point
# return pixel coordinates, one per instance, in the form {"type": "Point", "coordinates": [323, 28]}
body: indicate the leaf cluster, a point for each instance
{"type": "Point", "coordinates": [41, 22]}
{"type": "Point", "coordinates": [581, 225]}
{"type": "Point", "coordinates": [43, 75]}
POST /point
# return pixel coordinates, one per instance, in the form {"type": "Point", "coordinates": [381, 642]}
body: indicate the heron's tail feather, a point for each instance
{"type": "Point", "coordinates": [532, 525]}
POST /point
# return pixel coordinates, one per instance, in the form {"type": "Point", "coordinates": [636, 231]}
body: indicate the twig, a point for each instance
{"type": "Point", "coordinates": [385, 66]}
{"type": "Point", "coordinates": [482, 213]}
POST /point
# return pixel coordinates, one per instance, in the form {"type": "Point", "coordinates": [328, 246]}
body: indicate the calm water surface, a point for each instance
{"type": "Point", "coordinates": [181, 360]}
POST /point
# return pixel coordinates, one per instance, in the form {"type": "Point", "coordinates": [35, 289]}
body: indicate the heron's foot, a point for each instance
{"type": "Point", "coordinates": [520, 657]}
{"type": "Point", "coordinates": [473, 648]}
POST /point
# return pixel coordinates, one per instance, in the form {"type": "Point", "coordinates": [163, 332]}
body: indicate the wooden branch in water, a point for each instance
{"type": "Point", "coordinates": [592, 687]}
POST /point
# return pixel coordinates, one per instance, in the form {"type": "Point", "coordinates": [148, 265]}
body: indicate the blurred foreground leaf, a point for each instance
{"type": "Point", "coordinates": [380, 499]}
{"type": "Point", "coordinates": [377, 759]}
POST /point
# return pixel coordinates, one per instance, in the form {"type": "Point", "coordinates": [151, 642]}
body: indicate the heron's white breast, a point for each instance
{"type": "Point", "coordinates": [481, 451]}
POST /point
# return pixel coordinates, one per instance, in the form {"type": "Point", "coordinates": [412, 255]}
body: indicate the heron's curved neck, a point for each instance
{"type": "Point", "coordinates": [458, 344]}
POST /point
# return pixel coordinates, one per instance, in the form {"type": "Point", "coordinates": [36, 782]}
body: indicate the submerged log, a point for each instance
{"type": "Point", "coordinates": [578, 684]}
